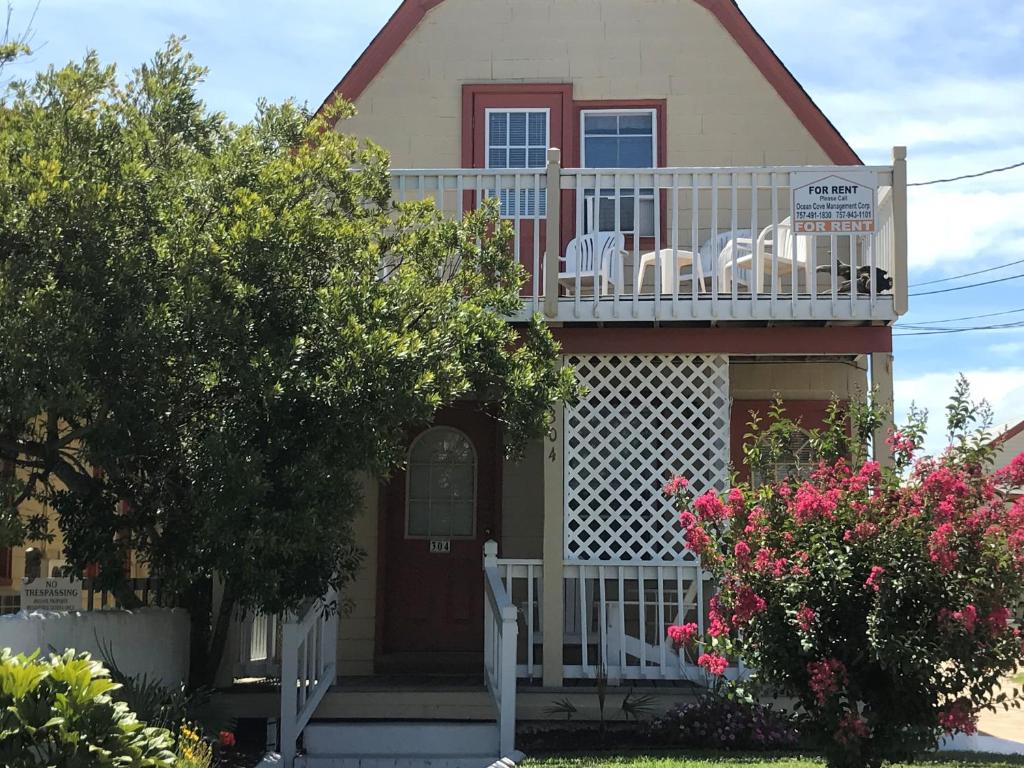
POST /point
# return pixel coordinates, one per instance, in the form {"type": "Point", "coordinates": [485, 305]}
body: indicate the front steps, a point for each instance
{"type": "Point", "coordinates": [400, 744]}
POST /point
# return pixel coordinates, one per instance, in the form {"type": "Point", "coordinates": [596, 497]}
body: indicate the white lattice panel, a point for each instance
{"type": "Point", "coordinates": [645, 418]}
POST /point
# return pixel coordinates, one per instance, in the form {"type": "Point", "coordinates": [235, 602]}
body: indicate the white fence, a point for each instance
{"type": "Point", "coordinates": [616, 616]}
{"type": "Point", "coordinates": [693, 244]}
{"type": "Point", "coordinates": [500, 638]}
{"type": "Point", "coordinates": [150, 641]}
{"type": "Point", "coordinates": [309, 646]}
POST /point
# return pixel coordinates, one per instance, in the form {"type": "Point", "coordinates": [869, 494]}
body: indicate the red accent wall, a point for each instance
{"type": "Point", "coordinates": [811, 414]}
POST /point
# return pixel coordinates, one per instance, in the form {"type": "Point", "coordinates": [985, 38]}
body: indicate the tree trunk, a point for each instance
{"type": "Point", "coordinates": [219, 638]}
{"type": "Point", "coordinates": [198, 602]}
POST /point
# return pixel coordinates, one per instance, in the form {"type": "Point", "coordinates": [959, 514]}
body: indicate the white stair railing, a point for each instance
{"type": "Point", "coordinates": [501, 630]}
{"type": "Point", "coordinates": [309, 645]}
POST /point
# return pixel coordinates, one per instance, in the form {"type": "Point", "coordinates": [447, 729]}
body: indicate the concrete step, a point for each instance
{"type": "Point", "coordinates": [342, 703]}
{"type": "Point", "coordinates": [444, 740]}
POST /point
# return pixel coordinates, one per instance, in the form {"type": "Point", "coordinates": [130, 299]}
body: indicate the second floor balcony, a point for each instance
{"type": "Point", "coordinates": [700, 245]}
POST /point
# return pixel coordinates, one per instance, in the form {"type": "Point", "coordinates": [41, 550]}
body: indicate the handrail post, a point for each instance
{"type": "Point", "coordinates": [289, 689]}
{"type": "Point", "coordinates": [899, 221]}
{"type": "Point", "coordinates": [490, 554]}
{"type": "Point", "coordinates": [553, 245]}
{"type": "Point", "coordinates": [507, 675]}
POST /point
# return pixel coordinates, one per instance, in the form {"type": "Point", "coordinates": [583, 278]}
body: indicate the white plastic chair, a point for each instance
{"type": "Point", "coordinates": [742, 254]}
{"type": "Point", "coordinates": [592, 257]}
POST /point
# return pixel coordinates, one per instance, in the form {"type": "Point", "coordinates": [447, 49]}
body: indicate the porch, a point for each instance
{"type": "Point", "coordinates": [708, 245]}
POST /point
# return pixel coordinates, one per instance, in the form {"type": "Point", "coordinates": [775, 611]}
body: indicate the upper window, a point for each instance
{"type": "Point", "coordinates": [796, 461]}
{"type": "Point", "coordinates": [517, 139]}
{"type": "Point", "coordinates": [441, 492]}
{"type": "Point", "coordinates": [620, 139]}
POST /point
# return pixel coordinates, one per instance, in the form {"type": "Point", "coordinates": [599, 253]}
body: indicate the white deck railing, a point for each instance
{"type": "Point", "coordinates": [309, 646]}
{"type": "Point", "coordinates": [258, 650]}
{"type": "Point", "coordinates": [686, 244]}
{"type": "Point", "coordinates": [616, 617]}
{"type": "Point", "coordinates": [500, 638]}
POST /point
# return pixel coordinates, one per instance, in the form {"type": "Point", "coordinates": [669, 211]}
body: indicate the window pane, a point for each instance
{"type": "Point", "coordinates": [517, 129]}
{"type": "Point", "coordinates": [635, 153]}
{"type": "Point", "coordinates": [499, 128]}
{"type": "Point", "coordinates": [419, 518]}
{"type": "Point", "coordinates": [462, 519]}
{"type": "Point", "coordinates": [538, 129]}
{"type": "Point", "coordinates": [517, 158]}
{"type": "Point", "coordinates": [538, 158]}
{"type": "Point", "coordinates": [636, 124]}
{"type": "Point", "coordinates": [600, 124]}
{"type": "Point", "coordinates": [647, 217]}
{"type": "Point", "coordinates": [440, 520]}
{"type": "Point", "coordinates": [498, 158]}
{"type": "Point", "coordinates": [602, 153]}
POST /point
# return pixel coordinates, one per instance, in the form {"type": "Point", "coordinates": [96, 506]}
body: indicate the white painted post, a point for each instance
{"type": "Point", "coordinates": [899, 229]}
{"type": "Point", "coordinates": [507, 676]}
{"type": "Point", "coordinates": [552, 568]}
{"type": "Point", "coordinates": [553, 245]}
{"type": "Point", "coordinates": [290, 638]}
{"type": "Point", "coordinates": [882, 385]}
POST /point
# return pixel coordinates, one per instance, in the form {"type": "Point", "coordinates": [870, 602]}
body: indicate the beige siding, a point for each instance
{"type": "Point", "coordinates": [721, 110]}
{"type": "Point", "coordinates": [522, 505]}
{"type": "Point", "coordinates": [797, 380]}
{"type": "Point", "coordinates": [1009, 450]}
{"type": "Point", "coordinates": [357, 629]}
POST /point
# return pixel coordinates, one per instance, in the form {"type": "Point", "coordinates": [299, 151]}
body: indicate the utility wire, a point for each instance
{"type": "Point", "coordinates": [965, 287]}
{"type": "Point", "coordinates": [943, 331]}
{"type": "Point", "coordinates": [969, 317]}
{"type": "Point", "coordinates": [966, 274]}
{"type": "Point", "coordinates": [967, 176]}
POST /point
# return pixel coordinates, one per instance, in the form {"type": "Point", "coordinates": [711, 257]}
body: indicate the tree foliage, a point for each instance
{"type": "Point", "coordinates": [208, 329]}
{"type": "Point", "coordinates": [878, 598]}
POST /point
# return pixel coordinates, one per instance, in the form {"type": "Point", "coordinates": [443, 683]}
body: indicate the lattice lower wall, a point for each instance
{"type": "Point", "coordinates": [645, 419]}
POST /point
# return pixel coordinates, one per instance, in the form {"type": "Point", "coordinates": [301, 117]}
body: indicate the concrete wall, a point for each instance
{"type": "Point", "coordinates": [522, 505]}
{"type": "Point", "coordinates": [151, 641]}
{"type": "Point", "coordinates": [797, 380]}
{"type": "Point", "coordinates": [720, 111]}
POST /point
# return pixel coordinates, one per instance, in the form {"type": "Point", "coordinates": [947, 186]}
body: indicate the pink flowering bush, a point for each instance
{"type": "Point", "coordinates": [876, 597]}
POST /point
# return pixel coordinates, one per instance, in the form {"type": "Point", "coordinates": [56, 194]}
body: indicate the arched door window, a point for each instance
{"type": "Point", "coordinates": [441, 490]}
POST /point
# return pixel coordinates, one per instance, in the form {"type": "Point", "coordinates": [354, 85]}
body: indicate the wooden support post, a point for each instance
{"type": "Point", "coordinates": [881, 385]}
{"type": "Point", "coordinates": [554, 237]}
{"type": "Point", "coordinates": [554, 549]}
{"type": "Point", "coordinates": [899, 221]}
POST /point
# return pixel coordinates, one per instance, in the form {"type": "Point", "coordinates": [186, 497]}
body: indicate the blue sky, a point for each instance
{"type": "Point", "coordinates": [944, 77]}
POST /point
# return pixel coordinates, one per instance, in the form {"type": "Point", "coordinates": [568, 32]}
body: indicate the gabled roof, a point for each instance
{"type": "Point", "coordinates": [1009, 434]}
{"type": "Point", "coordinates": [411, 12]}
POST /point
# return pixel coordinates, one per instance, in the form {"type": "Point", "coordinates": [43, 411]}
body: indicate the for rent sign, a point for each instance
{"type": "Point", "coordinates": [827, 203]}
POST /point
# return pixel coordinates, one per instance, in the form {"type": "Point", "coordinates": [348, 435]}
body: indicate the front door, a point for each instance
{"type": "Point", "coordinates": [437, 515]}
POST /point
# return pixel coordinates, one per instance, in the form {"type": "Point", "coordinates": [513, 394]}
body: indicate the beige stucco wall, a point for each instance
{"type": "Point", "coordinates": [522, 505]}
{"type": "Point", "coordinates": [357, 628]}
{"type": "Point", "coordinates": [720, 111]}
{"type": "Point", "coordinates": [797, 380]}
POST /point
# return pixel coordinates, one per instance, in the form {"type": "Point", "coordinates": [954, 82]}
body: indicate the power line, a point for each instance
{"type": "Point", "coordinates": [917, 331]}
{"type": "Point", "coordinates": [972, 285]}
{"type": "Point", "coordinates": [967, 176]}
{"type": "Point", "coordinates": [969, 317]}
{"type": "Point", "coordinates": [966, 274]}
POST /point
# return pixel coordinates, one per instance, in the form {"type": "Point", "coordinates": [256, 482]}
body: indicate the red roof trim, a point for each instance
{"type": "Point", "coordinates": [1009, 434]}
{"type": "Point", "coordinates": [411, 12]}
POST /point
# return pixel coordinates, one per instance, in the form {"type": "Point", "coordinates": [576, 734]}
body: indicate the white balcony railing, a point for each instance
{"type": "Point", "coordinates": [686, 244]}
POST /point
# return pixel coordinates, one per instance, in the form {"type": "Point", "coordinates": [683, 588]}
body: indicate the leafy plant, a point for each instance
{"type": "Point", "coordinates": [193, 750]}
{"type": "Point", "coordinates": [233, 324]}
{"type": "Point", "coordinates": [718, 722]}
{"type": "Point", "coordinates": [876, 597]}
{"type": "Point", "coordinates": [60, 711]}
{"type": "Point", "coordinates": [562, 707]}
{"type": "Point", "coordinates": [637, 706]}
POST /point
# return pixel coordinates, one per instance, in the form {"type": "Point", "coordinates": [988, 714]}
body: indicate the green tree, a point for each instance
{"type": "Point", "coordinates": [207, 330]}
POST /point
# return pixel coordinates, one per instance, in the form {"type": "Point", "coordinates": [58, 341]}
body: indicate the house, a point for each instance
{"type": "Point", "coordinates": [701, 239]}
{"type": "Point", "coordinates": [1008, 445]}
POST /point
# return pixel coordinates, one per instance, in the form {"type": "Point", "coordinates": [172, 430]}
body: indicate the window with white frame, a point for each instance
{"type": "Point", "coordinates": [517, 139]}
{"type": "Point", "coordinates": [620, 139]}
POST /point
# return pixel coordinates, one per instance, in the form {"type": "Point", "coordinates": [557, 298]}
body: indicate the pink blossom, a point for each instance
{"type": "Point", "coordinates": [718, 627]}
{"type": "Point", "coordinates": [675, 485]}
{"type": "Point", "coordinates": [682, 635]}
{"type": "Point", "coordinates": [998, 620]}
{"type": "Point", "coordinates": [968, 616]}
{"type": "Point", "coordinates": [746, 605]}
{"type": "Point", "coordinates": [939, 547]}
{"type": "Point", "coordinates": [872, 582]}
{"type": "Point", "coordinates": [809, 503]}
{"type": "Point", "coordinates": [742, 553]}
{"type": "Point", "coordinates": [852, 727]}
{"type": "Point", "coordinates": [1012, 474]}
{"type": "Point", "coordinates": [861, 532]}
{"type": "Point", "coordinates": [709, 507]}
{"type": "Point", "coordinates": [827, 677]}
{"type": "Point", "coordinates": [697, 540]}
{"type": "Point", "coordinates": [959, 716]}
{"type": "Point", "coordinates": [805, 618]}
{"type": "Point", "coordinates": [713, 663]}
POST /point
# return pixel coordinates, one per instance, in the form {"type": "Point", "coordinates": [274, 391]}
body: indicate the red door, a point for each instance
{"type": "Point", "coordinates": [437, 515]}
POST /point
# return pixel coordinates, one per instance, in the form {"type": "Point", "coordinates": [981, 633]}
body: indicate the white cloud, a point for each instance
{"type": "Point", "coordinates": [1003, 389]}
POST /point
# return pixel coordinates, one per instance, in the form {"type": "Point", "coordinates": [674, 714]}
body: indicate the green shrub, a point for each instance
{"type": "Point", "coordinates": [59, 712]}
